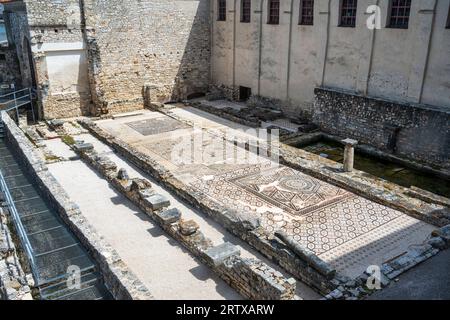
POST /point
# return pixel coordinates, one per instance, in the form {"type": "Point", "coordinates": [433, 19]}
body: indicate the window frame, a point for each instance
{"type": "Point", "coordinates": [390, 25]}
{"type": "Point", "coordinates": [447, 26]}
{"type": "Point", "coordinates": [269, 12]}
{"type": "Point", "coordinates": [302, 21]}
{"type": "Point", "coordinates": [244, 18]}
{"type": "Point", "coordinates": [221, 15]}
{"type": "Point", "coordinates": [341, 16]}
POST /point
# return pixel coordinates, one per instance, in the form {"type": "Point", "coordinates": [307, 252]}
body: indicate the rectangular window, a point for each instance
{"type": "Point", "coordinates": [307, 12]}
{"type": "Point", "coordinates": [222, 10]}
{"type": "Point", "coordinates": [448, 18]}
{"type": "Point", "coordinates": [399, 14]}
{"type": "Point", "coordinates": [246, 9]}
{"type": "Point", "coordinates": [274, 12]}
{"type": "Point", "coordinates": [348, 13]}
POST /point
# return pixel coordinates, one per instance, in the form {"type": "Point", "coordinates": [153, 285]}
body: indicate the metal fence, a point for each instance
{"type": "Point", "coordinates": [15, 100]}
{"type": "Point", "coordinates": [18, 225]}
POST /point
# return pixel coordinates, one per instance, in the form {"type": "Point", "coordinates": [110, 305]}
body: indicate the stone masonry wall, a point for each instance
{"type": "Point", "coordinates": [416, 132]}
{"type": "Point", "coordinates": [9, 67]}
{"type": "Point", "coordinates": [156, 50]}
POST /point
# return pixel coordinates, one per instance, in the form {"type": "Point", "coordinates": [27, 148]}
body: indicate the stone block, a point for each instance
{"type": "Point", "coordinates": [145, 193]}
{"type": "Point", "coordinates": [157, 202]}
{"type": "Point", "coordinates": [188, 228]}
{"type": "Point", "coordinates": [83, 147]}
{"type": "Point", "coordinates": [123, 174]}
{"type": "Point", "coordinates": [217, 255]}
{"type": "Point", "coordinates": [437, 243]}
{"type": "Point", "coordinates": [444, 233]}
{"type": "Point", "coordinates": [169, 216]}
{"type": "Point", "coordinates": [140, 184]}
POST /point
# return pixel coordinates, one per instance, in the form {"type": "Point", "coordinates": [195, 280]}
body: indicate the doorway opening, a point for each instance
{"type": "Point", "coordinates": [244, 93]}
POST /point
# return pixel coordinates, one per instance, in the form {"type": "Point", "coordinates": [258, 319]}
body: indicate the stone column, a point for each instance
{"type": "Point", "coordinates": [349, 154]}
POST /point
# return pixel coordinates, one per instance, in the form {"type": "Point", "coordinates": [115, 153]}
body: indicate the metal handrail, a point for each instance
{"type": "Point", "coordinates": [17, 105]}
{"type": "Point", "coordinates": [14, 92]}
{"type": "Point", "coordinates": [19, 226]}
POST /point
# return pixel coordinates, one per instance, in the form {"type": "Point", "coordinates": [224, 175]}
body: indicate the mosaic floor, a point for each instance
{"type": "Point", "coordinates": [348, 231]}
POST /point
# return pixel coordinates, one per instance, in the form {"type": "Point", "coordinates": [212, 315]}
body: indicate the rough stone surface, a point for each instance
{"type": "Point", "coordinates": [157, 202]}
{"type": "Point", "coordinates": [188, 228]}
{"type": "Point", "coordinates": [169, 216]}
{"type": "Point", "coordinates": [220, 253]}
{"type": "Point", "coordinates": [415, 132]}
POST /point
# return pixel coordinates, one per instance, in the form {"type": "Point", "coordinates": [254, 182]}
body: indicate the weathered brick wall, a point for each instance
{"type": "Point", "coordinates": [417, 132]}
{"type": "Point", "coordinates": [160, 45]}
{"type": "Point", "coordinates": [9, 67]}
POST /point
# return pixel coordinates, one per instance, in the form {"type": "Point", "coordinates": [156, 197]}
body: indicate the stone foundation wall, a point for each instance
{"type": "Point", "coordinates": [157, 50]}
{"type": "Point", "coordinates": [416, 132]}
{"type": "Point", "coordinates": [121, 282]}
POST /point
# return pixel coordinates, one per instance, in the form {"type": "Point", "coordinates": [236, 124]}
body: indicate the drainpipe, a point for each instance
{"type": "Point", "coordinates": [291, 25]}
{"type": "Point", "coordinates": [427, 61]}
{"type": "Point", "coordinates": [374, 33]}
{"type": "Point", "coordinates": [260, 45]}
{"type": "Point", "coordinates": [326, 44]}
{"type": "Point", "coordinates": [234, 49]}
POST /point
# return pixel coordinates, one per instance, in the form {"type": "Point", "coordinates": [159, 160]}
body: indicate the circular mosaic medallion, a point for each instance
{"type": "Point", "coordinates": [298, 185]}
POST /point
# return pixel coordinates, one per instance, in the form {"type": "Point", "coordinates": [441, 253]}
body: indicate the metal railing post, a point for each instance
{"type": "Point", "coordinates": [32, 107]}
{"type": "Point", "coordinates": [19, 226]}
{"type": "Point", "coordinates": [15, 106]}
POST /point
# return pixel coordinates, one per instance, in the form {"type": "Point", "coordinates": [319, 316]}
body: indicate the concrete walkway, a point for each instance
{"type": "Point", "coordinates": [169, 271]}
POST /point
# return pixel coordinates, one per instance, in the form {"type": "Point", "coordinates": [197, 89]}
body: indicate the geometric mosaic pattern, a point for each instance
{"type": "Point", "coordinates": [342, 228]}
{"type": "Point", "coordinates": [291, 190]}
{"type": "Point", "coordinates": [332, 226]}
{"type": "Point", "coordinates": [156, 126]}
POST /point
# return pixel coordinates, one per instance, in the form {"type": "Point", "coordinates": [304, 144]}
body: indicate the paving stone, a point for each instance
{"type": "Point", "coordinates": [157, 201]}
{"type": "Point", "coordinates": [217, 255]}
{"type": "Point", "coordinates": [83, 147]}
{"type": "Point", "coordinates": [170, 216]}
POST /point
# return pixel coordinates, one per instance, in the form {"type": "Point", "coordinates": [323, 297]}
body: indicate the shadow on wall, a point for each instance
{"type": "Point", "coordinates": [192, 76]}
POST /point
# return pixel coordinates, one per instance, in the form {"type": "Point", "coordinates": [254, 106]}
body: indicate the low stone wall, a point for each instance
{"type": "Point", "coordinates": [244, 227]}
{"type": "Point", "coordinates": [250, 277]}
{"type": "Point", "coordinates": [414, 131]}
{"type": "Point", "coordinates": [121, 282]}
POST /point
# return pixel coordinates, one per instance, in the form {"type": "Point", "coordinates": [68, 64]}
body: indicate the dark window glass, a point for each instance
{"type": "Point", "coordinates": [399, 14]}
{"type": "Point", "coordinates": [274, 12]}
{"type": "Point", "coordinates": [448, 18]}
{"type": "Point", "coordinates": [222, 10]}
{"type": "Point", "coordinates": [307, 12]}
{"type": "Point", "coordinates": [348, 13]}
{"type": "Point", "coordinates": [246, 10]}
